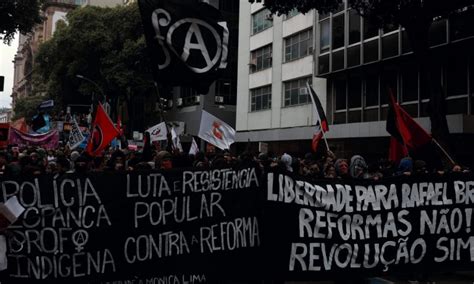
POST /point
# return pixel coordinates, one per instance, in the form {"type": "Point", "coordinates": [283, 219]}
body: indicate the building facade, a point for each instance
{"type": "Point", "coordinates": [104, 3]}
{"type": "Point", "coordinates": [351, 64]}
{"type": "Point", "coordinates": [5, 115]}
{"type": "Point", "coordinates": [276, 59]}
{"type": "Point", "coordinates": [53, 12]}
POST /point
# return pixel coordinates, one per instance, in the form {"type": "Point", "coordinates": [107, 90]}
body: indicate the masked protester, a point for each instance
{"type": "Point", "coordinates": [358, 167]}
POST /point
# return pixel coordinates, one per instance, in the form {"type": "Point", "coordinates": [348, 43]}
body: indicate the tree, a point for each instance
{"type": "Point", "coordinates": [18, 15]}
{"type": "Point", "coordinates": [107, 46]}
{"type": "Point", "coordinates": [27, 107]}
{"type": "Point", "coordinates": [416, 16]}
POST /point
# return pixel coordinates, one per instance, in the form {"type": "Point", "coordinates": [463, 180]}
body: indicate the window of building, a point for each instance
{"type": "Point", "coordinates": [227, 89]}
{"type": "Point", "coordinates": [409, 83]}
{"type": "Point", "coordinates": [371, 91]}
{"type": "Point", "coordinates": [261, 58]}
{"type": "Point", "coordinates": [388, 83]}
{"type": "Point", "coordinates": [338, 31]}
{"type": "Point", "coordinates": [355, 92]}
{"type": "Point", "coordinates": [456, 75]}
{"type": "Point", "coordinates": [353, 56]}
{"type": "Point", "coordinates": [406, 45]}
{"type": "Point", "coordinates": [370, 30]}
{"type": "Point", "coordinates": [438, 32]}
{"type": "Point", "coordinates": [354, 27]}
{"type": "Point", "coordinates": [338, 60]}
{"type": "Point", "coordinates": [323, 64]}
{"type": "Point", "coordinates": [390, 45]}
{"type": "Point", "coordinates": [340, 93]}
{"type": "Point", "coordinates": [296, 92]}
{"type": "Point", "coordinates": [460, 25]}
{"type": "Point", "coordinates": [299, 45]}
{"type": "Point", "coordinates": [371, 51]}
{"type": "Point", "coordinates": [261, 98]}
{"type": "Point", "coordinates": [261, 20]}
{"type": "Point", "coordinates": [436, 79]}
{"type": "Point", "coordinates": [324, 35]}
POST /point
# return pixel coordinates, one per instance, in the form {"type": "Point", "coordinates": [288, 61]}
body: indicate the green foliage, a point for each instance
{"type": "Point", "coordinates": [27, 107]}
{"type": "Point", "coordinates": [18, 15]}
{"type": "Point", "coordinates": [106, 45]}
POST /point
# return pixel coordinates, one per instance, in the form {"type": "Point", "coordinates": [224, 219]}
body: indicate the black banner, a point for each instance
{"type": "Point", "coordinates": [182, 226]}
{"type": "Point", "coordinates": [187, 40]}
{"type": "Point", "coordinates": [190, 226]}
{"type": "Point", "coordinates": [341, 229]}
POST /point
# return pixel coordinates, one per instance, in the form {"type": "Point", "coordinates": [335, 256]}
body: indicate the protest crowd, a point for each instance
{"type": "Point", "coordinates": [34, 160]}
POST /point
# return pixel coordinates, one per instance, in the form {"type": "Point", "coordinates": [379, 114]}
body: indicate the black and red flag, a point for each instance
{"type": "Point", "coordinates": [187, 40]}
{"type": "Point", "coordinates": [320, 115]}
{"type": "Point", "coordinates": [321, 123]}
{"type": "Point", "coordinates": [405, 131]}
{"type": "Point", "coordinates": [103, 132]}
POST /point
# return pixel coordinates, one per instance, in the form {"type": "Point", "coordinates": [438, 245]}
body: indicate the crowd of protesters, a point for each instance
{"type": "Point", "coordinates": [36, 160]}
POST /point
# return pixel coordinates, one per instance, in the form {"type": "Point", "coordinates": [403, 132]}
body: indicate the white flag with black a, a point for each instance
{"type": "Point", "coordinates": [75, 135]}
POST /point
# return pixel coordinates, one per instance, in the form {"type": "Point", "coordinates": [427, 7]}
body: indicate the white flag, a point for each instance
{"type": "Point", "coordinates": [215, 131]}
{"type": "Point", "coordinates": [176, 141]}
{"type": "Point", "coordinates": [75, 136]}
{"type": "Point", "coordinates": [158, 132]}
{"type": "Point", "coordinates": [194, 148]}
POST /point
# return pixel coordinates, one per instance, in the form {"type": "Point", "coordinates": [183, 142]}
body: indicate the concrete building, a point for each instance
{"type": "Point", "coordinates": [103, 3]}
{"type": "Point", "coordinates": [275, 62]}
{"type": "Point", "coordinates": [350, 63]}
{"type": "Point", "coordinates": [5, 115]}
{"type": "Point", "coordinates": [53, 12]}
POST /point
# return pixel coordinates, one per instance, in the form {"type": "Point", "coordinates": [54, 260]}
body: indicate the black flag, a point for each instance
{"type": "Point", "coordinates": [187, 41]}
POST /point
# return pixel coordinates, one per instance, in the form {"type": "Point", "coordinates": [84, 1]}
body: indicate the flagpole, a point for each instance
{"type": "Point", "coordinates": [168, 132]}
{"type": "Point", "coordinates": [324, 136]}
{"type": "Point", "coordinates": [444, 151]}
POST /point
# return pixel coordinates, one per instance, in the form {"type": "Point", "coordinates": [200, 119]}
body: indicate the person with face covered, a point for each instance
{"type": "Point", "coordinates": [358, 167]}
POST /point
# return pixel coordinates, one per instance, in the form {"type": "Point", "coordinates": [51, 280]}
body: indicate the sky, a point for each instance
{"type": "Point", "coordinates": [7, 53]}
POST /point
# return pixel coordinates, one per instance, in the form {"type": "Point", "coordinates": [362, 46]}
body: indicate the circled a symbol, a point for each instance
{"type": "Point", "coordinates": [80, 238]}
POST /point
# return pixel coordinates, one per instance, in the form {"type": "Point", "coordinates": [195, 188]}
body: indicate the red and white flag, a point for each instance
{"type": "Point", "coordinates": [103, 132]}
{"type": "Point", "coordinates": [194, 148]}
{"type": "Point", "coordinates": [158, 132]}
{"type": "Point", "coordinates": [176, 141]}
{"type": "Point", "coordinates": [317, 136]}
{"type": "Point", "coordinates": [216, 131]}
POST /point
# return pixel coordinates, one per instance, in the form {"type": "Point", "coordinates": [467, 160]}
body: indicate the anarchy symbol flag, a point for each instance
{"type": "Point", "coordinates": [103, 132]}
{"type": "Point", "coordinates": [187, 41]}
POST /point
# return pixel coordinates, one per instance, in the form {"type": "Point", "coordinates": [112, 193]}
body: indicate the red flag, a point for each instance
{"type": "Point", "coordinates": [316, 138]}
{"type": "Point", "coordinates": [404, 128]}
{"type": "Point", "coordinates": [397, 151]}
{"type": "Point", "coordinates": [103, 132]}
